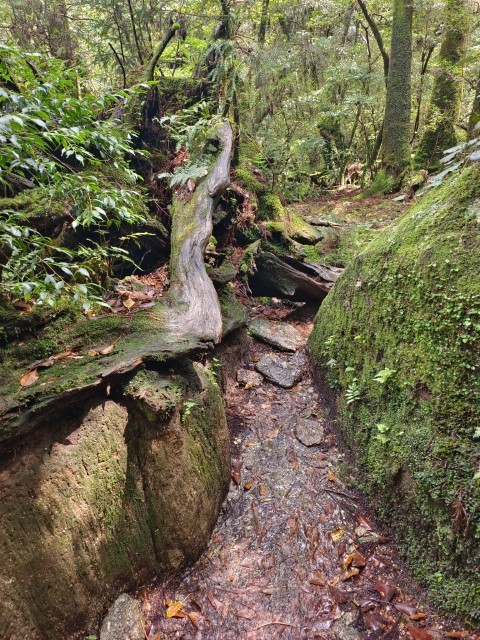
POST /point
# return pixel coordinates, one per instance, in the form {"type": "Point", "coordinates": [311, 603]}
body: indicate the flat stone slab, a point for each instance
{"type": "Point", "coordinates": [249, 378]}
{"type": "Point", "coordinates": [280, 335]}
{"type": "Point", "coordinates": [309, 431]}
{"type": "Point", "coordinates": [124, 620]}
{"type": "Point", "coordinates": [285, 373]}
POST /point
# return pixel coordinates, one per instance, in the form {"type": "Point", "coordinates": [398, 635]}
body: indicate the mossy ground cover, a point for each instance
{"type": "Point", "coordinates": [398, 340]}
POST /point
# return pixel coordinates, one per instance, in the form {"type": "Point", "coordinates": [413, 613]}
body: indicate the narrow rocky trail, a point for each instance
{"type": "Point", "coordinates": [294, 554]}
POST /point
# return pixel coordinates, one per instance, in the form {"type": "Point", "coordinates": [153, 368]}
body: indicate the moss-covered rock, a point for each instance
{"type": "Point", "coordinates": [112, 496]}
{"type": "Point", "coordinates": [398, 340]}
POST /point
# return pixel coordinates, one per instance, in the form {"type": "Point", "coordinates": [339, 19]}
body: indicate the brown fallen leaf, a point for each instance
{"type": "Point", "coordinates": [418, 616]}
{"type": "Point", "coordinates": [337, 534]}
{"type": "Point", "coordinates": [174, 609]}
{"type": "Point", "coordinates": [236, 477]}
{"type": "Point", "coordinates": [248, 485]}
{"type": "Point", "coordinates": [216, 604]}
{"type": "Point", "coordinates": [349, 574]}
{"type": "Point", "coordinates": [356, 559]}
{"type": "Point", "coordinates": [29, 378]}
{"type": "Point", "coordinates": [331, 477]}
{"type": "Point", "coordinates": [404, 607]}
{"type": "Point", "coordinates": [385, 590]}
{"type": "Point", "coordinates": [317, 579]}
{"type": "Point", "coordinates": [417, 633]}
{"type": "Point", "coordinates": [195, 618]}
{"type": "Point", "coordinates": [337, 595]}
{"type": "Point", "coordinates": [263, 490]}
{"type": "Point", "coordinates": [457, 634]}
{"type": "Point", "coordinates": [102, 350]}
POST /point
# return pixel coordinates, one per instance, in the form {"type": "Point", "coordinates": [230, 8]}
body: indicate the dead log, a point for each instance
{"type": "Point", "coordinates": [274, 277]}
{"type": "Point", "coordinates": [192, 292]}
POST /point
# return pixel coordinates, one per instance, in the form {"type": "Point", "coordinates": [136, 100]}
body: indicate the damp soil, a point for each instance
{"type": "Point", "coordinates": [295, 553]}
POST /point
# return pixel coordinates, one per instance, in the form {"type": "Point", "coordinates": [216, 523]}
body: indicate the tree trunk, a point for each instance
{"type": "Point", "coordinates": [262, 30]}
{"type": "Point", "coordinates": [396, 128]}
{"type": "Point", "coordinates": [196, 307]}
{"type": "Point", "coordinates": [444, 108]}
{"type": "Point", "coordinates": [475, 112]}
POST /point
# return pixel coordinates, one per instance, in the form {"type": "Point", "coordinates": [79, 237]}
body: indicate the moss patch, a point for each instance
{"type": "Point", "coordinates": [398, 339]}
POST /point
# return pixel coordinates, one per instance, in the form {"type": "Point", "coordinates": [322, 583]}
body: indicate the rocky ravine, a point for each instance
{"type": "Point", "coordinates": [295, 553]}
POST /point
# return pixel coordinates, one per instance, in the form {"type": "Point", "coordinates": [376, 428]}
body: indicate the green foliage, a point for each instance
{"type": "Point", "coordinates": [190, 129]}
{"type": "Point", "coordinates": [58, 143]}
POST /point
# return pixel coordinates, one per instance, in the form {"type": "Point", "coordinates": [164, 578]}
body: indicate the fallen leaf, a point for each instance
{"type": "Point", "coordinates": [190, 185]}
{"type": "Point", "coordinates": [102, 350]}
{"type": "Point", "coordinates": [356, 559]}
{"type": "Point", "coordinates": [248, 485]}
{"type": "Point", "coordinates": [418, 616]}
{"type": "Point", "coordinates": [263, 490]}
{"type": "Point", "coordinates": [236, 477]}
{"type": "Point", "coordinates": [457, 634]}
{"type": "Point", "coordinates": [216, 604]}
{"type": "Point", "coordinates": [331, 477]}
{"type": "Point", "coordinates": [29, 378]}
{"type": "Point", "coordinates": [337, 534]}
{"type": "Point", "coordinates": [404, 607]}
{"type": "Point", "coordinates": [363, 522]}
{"type": "Point", "coordinates": [373, 621]}
{"type": "Point", "coordinates": [337, 595]}
{"type": "Point", "coordinates": [175, 609]}
{"type": "Point", "coordinates": [385, 590]}
{"type": "Point", "coordinates": [349, 574]}
{"type": "Point", "coordinates": [416, 633]}
{"type": "Point", "coordinates": [317, 579]}
{"type": "Point", "coordinates": [128, 303]}
{"type": "Point", "coordinates": [195, 618]}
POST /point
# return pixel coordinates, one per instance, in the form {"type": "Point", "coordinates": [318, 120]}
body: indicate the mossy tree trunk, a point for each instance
{"type": "Point", "coordinates": [475, 112]}
{"type": "Point", "coordinates": [195, 300]}
{"type": "Point", "coordinates": [396, 128]}
{"type": "Point", "coordinates": [445, 103]}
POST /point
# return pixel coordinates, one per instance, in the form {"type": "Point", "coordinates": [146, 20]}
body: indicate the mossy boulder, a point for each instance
{"type": "Point", "coordinates": [398, 341]}
{"type": "Point", "coordinates": [118, 492]}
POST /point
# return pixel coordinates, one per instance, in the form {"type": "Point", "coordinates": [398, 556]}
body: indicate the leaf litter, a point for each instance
{"type": "Point", "coordinates": [294, 554]}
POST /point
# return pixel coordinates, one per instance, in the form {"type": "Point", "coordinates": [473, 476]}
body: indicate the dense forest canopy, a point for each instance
{"type": "Point", "coordinates": [320, 93]}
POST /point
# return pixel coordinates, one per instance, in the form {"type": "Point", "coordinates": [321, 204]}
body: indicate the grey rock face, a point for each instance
{"type": "Point", "coordinates": [281, 371]}
{"type": "Point", "coordinates": [278, 334]}
{"type": "Point", "coordinates": [309, 431]}
{"type": "Point", "coordinates": [123, 620]}
{"type": "Point", "coordinates": [249, 378]}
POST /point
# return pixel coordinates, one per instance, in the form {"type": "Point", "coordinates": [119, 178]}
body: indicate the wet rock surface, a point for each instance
{"type": "Point", "coordinates": [309, 431]}
{"type": "Point", "coordinates": [123, 620]}
{"type": "Point", "coordinates": [277, 334]}
{"type": "Point", "coordinates": [282, 371]}
{"type": "Point", "coordinates": [295, 554]}
{"type": "Point", "coordinates": [249, 378]}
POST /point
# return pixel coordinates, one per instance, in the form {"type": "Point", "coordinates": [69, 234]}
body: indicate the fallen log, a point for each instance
{"type": "Point", "coordinates": [273, 277]}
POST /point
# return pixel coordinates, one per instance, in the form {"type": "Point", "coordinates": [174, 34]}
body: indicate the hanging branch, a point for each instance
{"type": "Point", "coordinates": [135, 35]}
{"type": "Point", "coordinates": [160, 49]}
{"type": "Point", "coordinates": [378, 37]}
{"type": "Point", "coordinates": [120, 63]}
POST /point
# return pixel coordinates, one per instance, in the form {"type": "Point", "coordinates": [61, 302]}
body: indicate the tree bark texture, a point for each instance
{"type": "Point", "coordinates": [396, 128]}
{"type": "Point", "coordinates": [445, 103]}
{"type": "Point", "coordinates": [197, 310]}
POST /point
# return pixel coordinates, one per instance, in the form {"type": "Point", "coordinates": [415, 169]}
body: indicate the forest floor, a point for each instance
{"type": "Point", "coordinates": [296, 552]}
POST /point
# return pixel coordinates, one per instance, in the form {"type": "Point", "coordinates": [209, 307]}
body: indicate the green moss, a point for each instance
{"type": "Point", "coordinates": [407, 311]}
{"type": "Point", "coordinates": [382, 184]}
